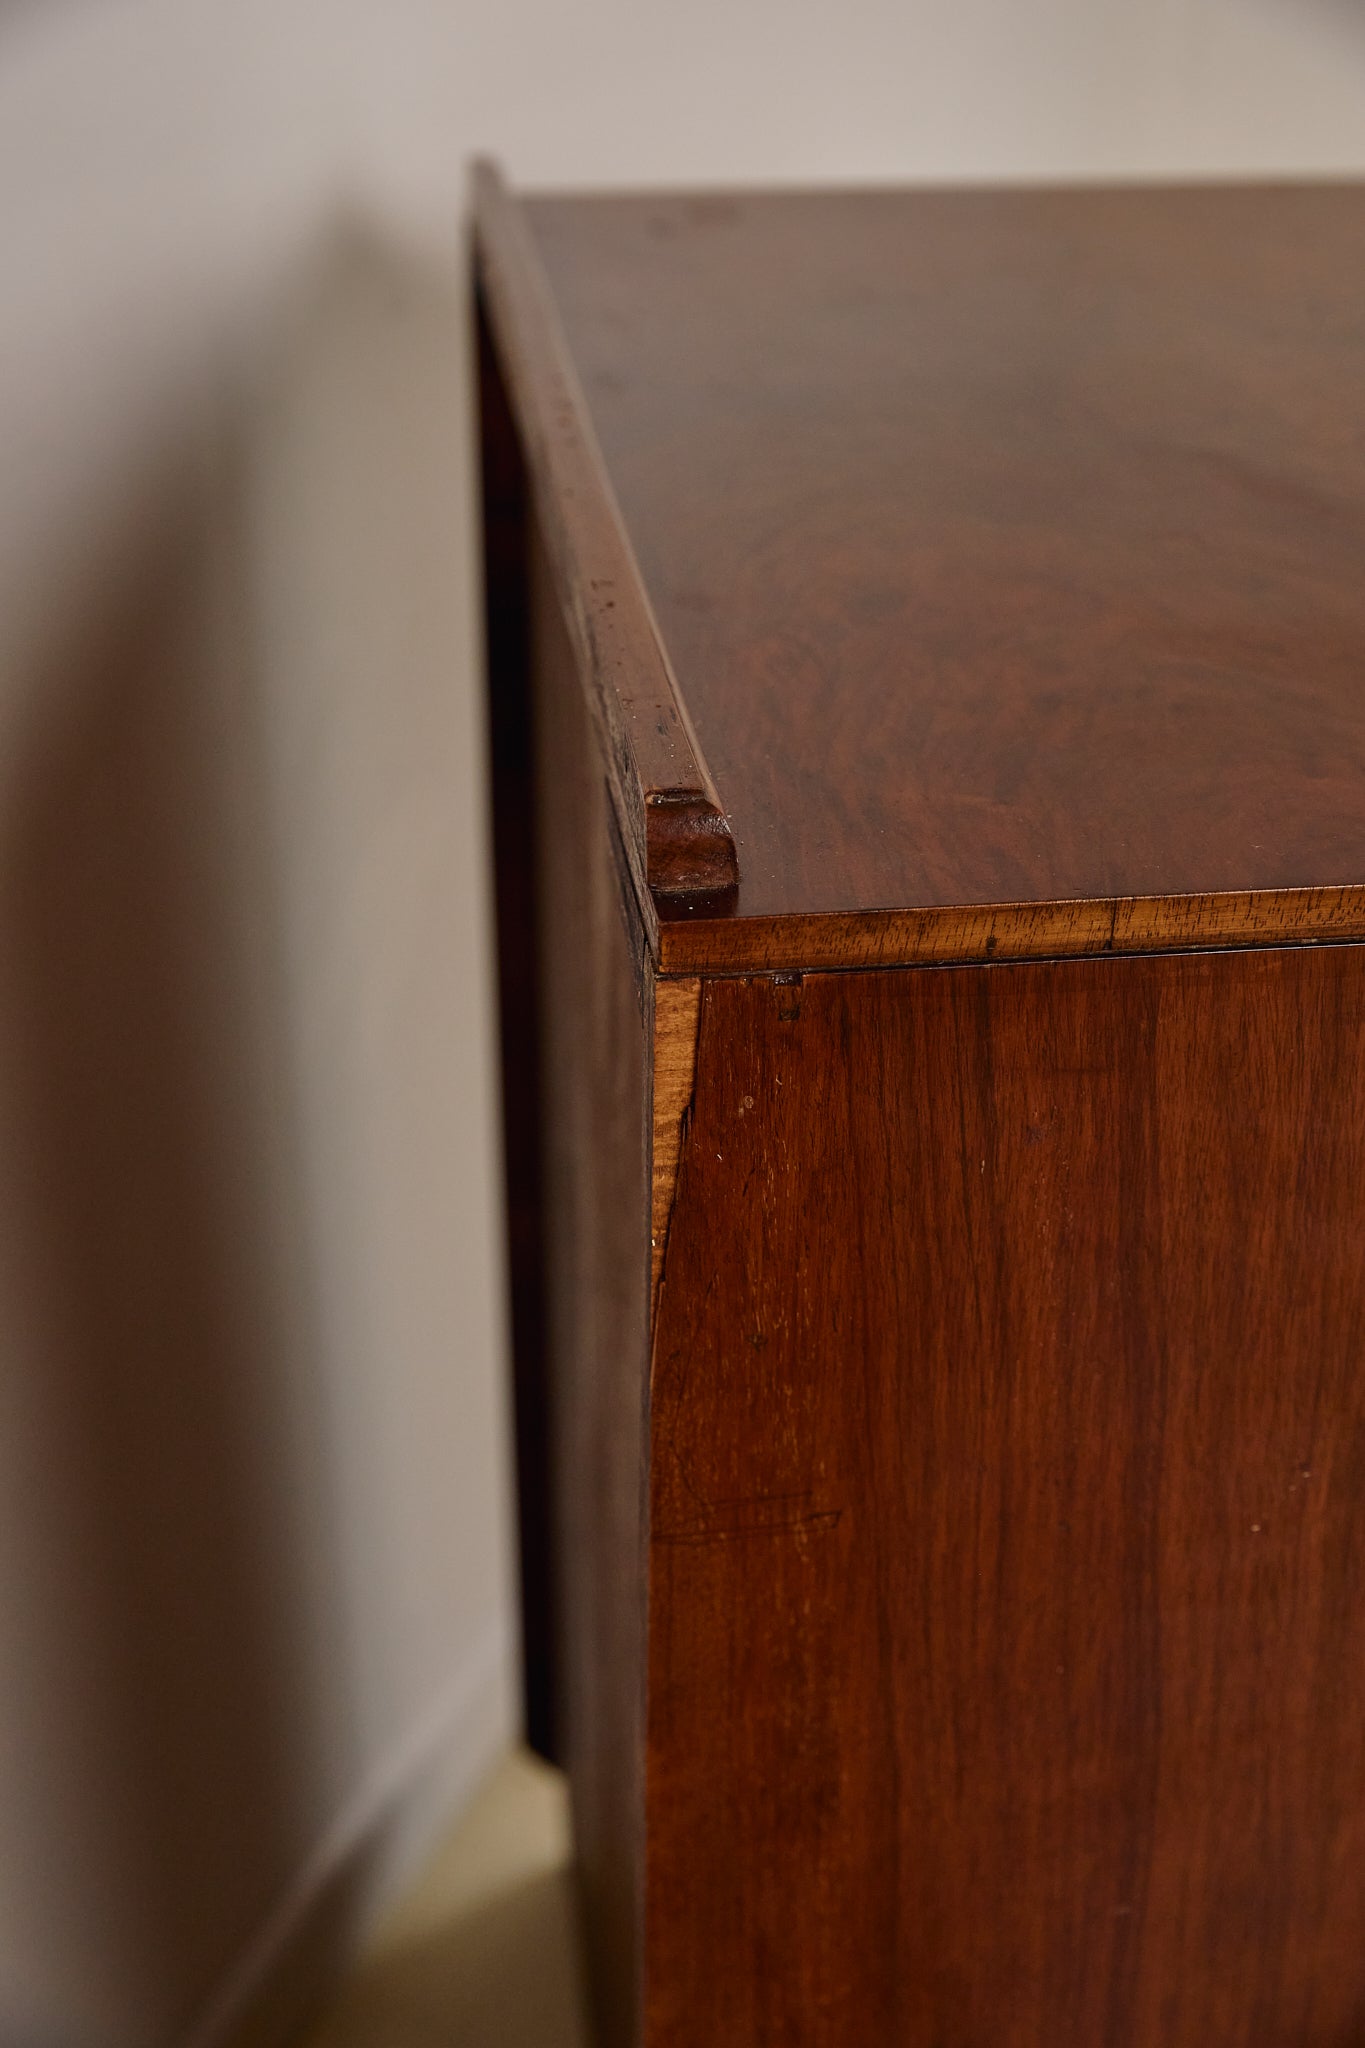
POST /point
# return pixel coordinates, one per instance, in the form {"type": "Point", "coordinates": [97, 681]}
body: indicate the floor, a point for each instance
{"type": "Point", "coordinates": [481, 1952]}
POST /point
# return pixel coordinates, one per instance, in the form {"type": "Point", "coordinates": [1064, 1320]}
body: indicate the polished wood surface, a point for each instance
{"type": "Point", "coordinates": [674, 831]}
{"type": "Point", "coordinates": [1007, 1597]}
{"type": "Point", "coordinates": [940, 1251]}
{"type": "Point", "coordinates": [576, 1003]}
{"type": "Point", "coordinates": [596, 1058]}
{"type": "Point", "coordinates": [1006, 546]}
{"type": "Point", "coordinates": [696, 944]}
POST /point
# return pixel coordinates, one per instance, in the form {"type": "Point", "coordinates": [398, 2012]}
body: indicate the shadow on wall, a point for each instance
{"type": "Point", "coordinates": [155, 1269]}
{"type": "Point", "coordinates": [1345, 14]}
{"type": "Point", "coordinates": [188, 1697]}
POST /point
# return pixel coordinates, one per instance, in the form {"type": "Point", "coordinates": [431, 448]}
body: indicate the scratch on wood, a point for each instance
{"type": "Point", "coordinates": [677, 1013]}
{"type": "Point", "coordinates": [725, 1521]}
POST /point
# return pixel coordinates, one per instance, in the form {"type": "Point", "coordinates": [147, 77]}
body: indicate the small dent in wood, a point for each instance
{"type": "Point", "coordinates": [788, 987]}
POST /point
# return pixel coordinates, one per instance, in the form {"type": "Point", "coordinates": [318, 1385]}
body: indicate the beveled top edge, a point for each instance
{"type": "Point", "coordinates": [673, 825]}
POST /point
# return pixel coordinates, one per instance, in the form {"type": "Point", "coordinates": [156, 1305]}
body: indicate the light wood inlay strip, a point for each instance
{"type": "Point", "coordinates": [677, 1014]}
{"type": "Point", "coordinates": [947, 935]}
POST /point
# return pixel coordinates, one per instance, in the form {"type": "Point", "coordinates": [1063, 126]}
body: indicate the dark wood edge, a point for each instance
{"type": "Point", "coordinates": [1011, 931]}
{"type": "Point", "coordinates": [522, 1021]}
{"type": "Point", "coordinates": [673, 827]}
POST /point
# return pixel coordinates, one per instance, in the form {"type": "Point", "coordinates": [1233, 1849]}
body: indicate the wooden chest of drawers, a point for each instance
{"type": "Point", "coordinates": [927, 652]}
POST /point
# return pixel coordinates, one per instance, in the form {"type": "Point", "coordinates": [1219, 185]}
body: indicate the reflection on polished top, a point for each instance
{"type": "Point", "coordinates": [1006, 547]}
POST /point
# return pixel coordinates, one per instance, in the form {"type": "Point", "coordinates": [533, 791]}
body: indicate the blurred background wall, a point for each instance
{"type": "Point", "coordinates": [256, 1640]}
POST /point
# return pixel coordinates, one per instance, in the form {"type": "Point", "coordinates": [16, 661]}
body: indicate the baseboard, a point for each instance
{"type": "Point", "coordinates": [305, 1944]}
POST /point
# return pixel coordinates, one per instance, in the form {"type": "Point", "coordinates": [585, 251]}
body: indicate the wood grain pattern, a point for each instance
{"type": "Point", "coordinates": [1007, 1638]}
{"type": "Point", "coordinates": [677, 1010]}
{"type": "Point", "coordinates": [1006, 546]}
{"type": "Point", "coordinates": [1010, 931]}
{"type": "Point", "coordinates": [960, 1504]}
{"type": "Point", "coordinates": [672, 826]}
{"type": "Point", "coordinates": [596, 1091]}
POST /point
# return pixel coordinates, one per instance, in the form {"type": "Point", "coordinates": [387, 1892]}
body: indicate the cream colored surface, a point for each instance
{"type": "Point", "coordinates": [255, 1634]}
{"type": "Point", "coordinates": [482, 1951]}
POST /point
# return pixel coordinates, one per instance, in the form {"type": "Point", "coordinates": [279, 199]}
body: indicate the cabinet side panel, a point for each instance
{"type": "Point", "coordinates": [595, 1148]}
{"type": "Point", "coordinates": [506, 539]}
{"type": "Point", "coordinates": [1008, 1512]}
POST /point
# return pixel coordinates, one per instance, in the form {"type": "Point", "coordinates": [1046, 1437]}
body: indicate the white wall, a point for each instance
{"type": "Point", "coordinates": [254, 1630]}
{"type": "Point", "coordinates": [254, 1596]}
